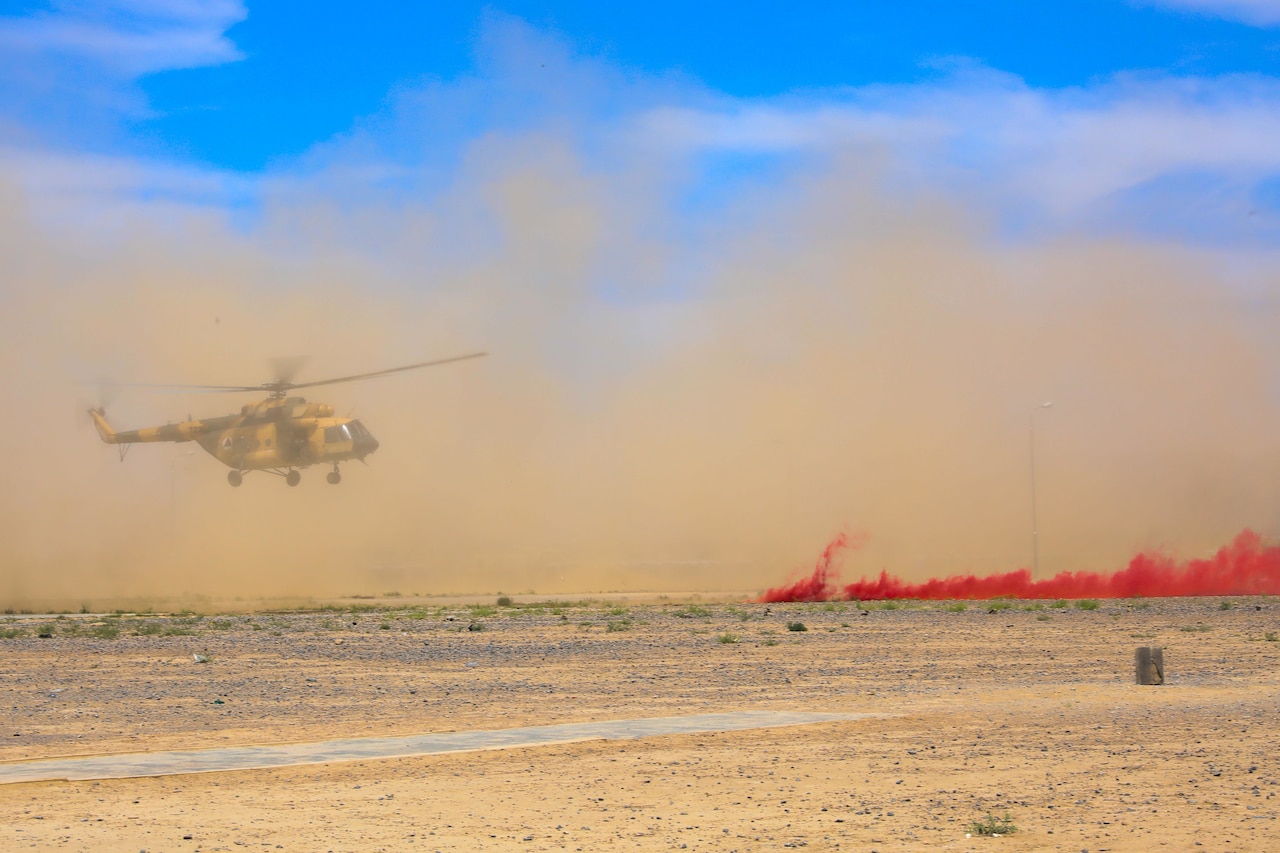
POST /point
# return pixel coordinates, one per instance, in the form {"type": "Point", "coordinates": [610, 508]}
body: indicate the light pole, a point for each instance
{"type": "Point", "coordinates": [1035, 532]}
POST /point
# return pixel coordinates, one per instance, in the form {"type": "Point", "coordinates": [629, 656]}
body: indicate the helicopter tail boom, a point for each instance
{"type": "Point", "coordinates": [169, 432]}
{"type": "Point", "coordinates": [104, 429]}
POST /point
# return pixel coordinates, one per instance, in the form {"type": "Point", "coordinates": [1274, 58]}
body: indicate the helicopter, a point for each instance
{"type": "Point", "coordinates": [277, 435]}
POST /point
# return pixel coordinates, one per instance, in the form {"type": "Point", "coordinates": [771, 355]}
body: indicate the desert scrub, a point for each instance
{"type": "Point", "coordinates": [1087, 604]}
{"type": "Point", "coordinates": [956, 607]}
{"type": "Point", "coordinates": [615, 625]}
{"type": "Point", "coordinates": [10, 633]}
{"type": "Point", "coordinates": [504, 601]}
{"type": "Point", "coordinates": [692, 611]}
{"type": "Point", "coordinates": [1226, 605]}
{"type": "Point", "coordinates": [1043, 617]}
{"type": "Point", "coordinates": [1271, 637]}
{"type": "Point", "coordinates": [104, 630]}
{"type": "Point", "coordinates": [796, 626]}
{"type": "Point", "coordinates": [1195, 629]}
{"type": "Point", "coordinates": [727, 638]}
{"type": "Point", "coordinates": [479, 610]}
{"type": "Point", "coordinates": [992, 825]}
{"type": "Point", "coordinates": [998, 606]}
{"type": "Point", "coordinates": [1059, 604]}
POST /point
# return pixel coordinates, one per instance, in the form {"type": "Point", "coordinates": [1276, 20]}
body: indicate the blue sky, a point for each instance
{"type": "Point", "coordinates": [1154, 116]}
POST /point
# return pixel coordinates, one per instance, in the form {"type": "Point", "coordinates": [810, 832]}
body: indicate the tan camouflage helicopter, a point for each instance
{"type": "Point", "coordinates": [277, 435]}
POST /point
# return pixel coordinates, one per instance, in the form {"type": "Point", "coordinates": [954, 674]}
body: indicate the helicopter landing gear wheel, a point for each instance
{"type": "Point", "coordinates": [234, 478]}
{"type": "Point", "coordinates": [334, 477]}
{"type": "Point", "coordinates": [293, 478]}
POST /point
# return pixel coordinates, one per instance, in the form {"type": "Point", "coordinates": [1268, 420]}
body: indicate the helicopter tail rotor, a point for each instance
{"type": "Point", "coordinates": [105, 393]}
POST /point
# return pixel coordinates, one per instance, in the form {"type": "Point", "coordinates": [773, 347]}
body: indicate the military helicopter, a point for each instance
{"type": "Point", "coordinates": [277, 435]}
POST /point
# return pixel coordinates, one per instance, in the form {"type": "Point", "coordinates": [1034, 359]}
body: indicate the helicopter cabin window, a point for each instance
{"type": "Point", "coordinates": [336, 434]}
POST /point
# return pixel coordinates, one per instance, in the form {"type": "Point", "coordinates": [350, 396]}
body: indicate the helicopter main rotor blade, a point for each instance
{"type": "Point", "coordinates": [169, 386]}
{"type": "Point", "coordinates": [280, 385]}
{"type": "Point", "coordinates": [377, 373]}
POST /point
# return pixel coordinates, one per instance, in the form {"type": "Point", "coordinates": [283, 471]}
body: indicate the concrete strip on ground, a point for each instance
{"type": "Point", "coordinates": [132, 765]}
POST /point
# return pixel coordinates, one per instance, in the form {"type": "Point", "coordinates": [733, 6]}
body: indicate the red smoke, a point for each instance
{"type": "Point", "coordinates": [1245, 567]}
{"type": "Point", "coordinates": [818, 586]}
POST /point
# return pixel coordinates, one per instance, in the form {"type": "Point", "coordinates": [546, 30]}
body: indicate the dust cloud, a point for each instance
{"type": "Point", "coordinates": [834, 356]}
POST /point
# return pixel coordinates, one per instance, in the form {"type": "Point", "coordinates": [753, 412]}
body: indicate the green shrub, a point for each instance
{"type": "Point", "coordinates": [796, 626]}
{"type": "Point", "coordinates": [992, 825]}
{"type": "Point", "coordinates": [1059, 604]}
{"type": "Point", "coordinates": [692, 611]}
{"type": "Point", "coordinates": [1087, 604]}
{"type": "Point", "coordinates": [504, 601]}
{"type": "Point", "coordinates": [615, 625]}
{"type": "Point", "coordinates": [727, 638]}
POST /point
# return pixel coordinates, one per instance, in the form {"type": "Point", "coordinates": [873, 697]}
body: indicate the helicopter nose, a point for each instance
{"type": "Point", "coordinates": [366, 444]}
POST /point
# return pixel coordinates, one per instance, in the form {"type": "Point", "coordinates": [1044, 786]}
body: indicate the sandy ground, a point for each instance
{"type": "Point", "coordinates": [1026, 712]}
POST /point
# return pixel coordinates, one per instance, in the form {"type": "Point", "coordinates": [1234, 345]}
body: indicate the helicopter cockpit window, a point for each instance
{"type": "Point", "coordinates": [358, 431]}
{"type": "Point", "coordinates": [336, 434]}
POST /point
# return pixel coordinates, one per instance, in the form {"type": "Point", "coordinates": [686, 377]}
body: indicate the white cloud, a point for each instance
{"type": "Point", "coordinates": [129, 37]}
{"type": "Point", "coordinates": [99, 194]}
{"type": "Point", "coordinates": [1061, 151]}
{"type": "Point", "coordinates": [1261, 13]}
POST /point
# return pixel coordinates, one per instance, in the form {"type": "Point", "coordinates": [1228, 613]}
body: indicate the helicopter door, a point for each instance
{"type": "Point", "coordinates": [293, 444]}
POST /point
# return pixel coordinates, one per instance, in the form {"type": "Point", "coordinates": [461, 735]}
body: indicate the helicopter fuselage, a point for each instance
{"type": "Point", "coordinates": [277, 434]}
